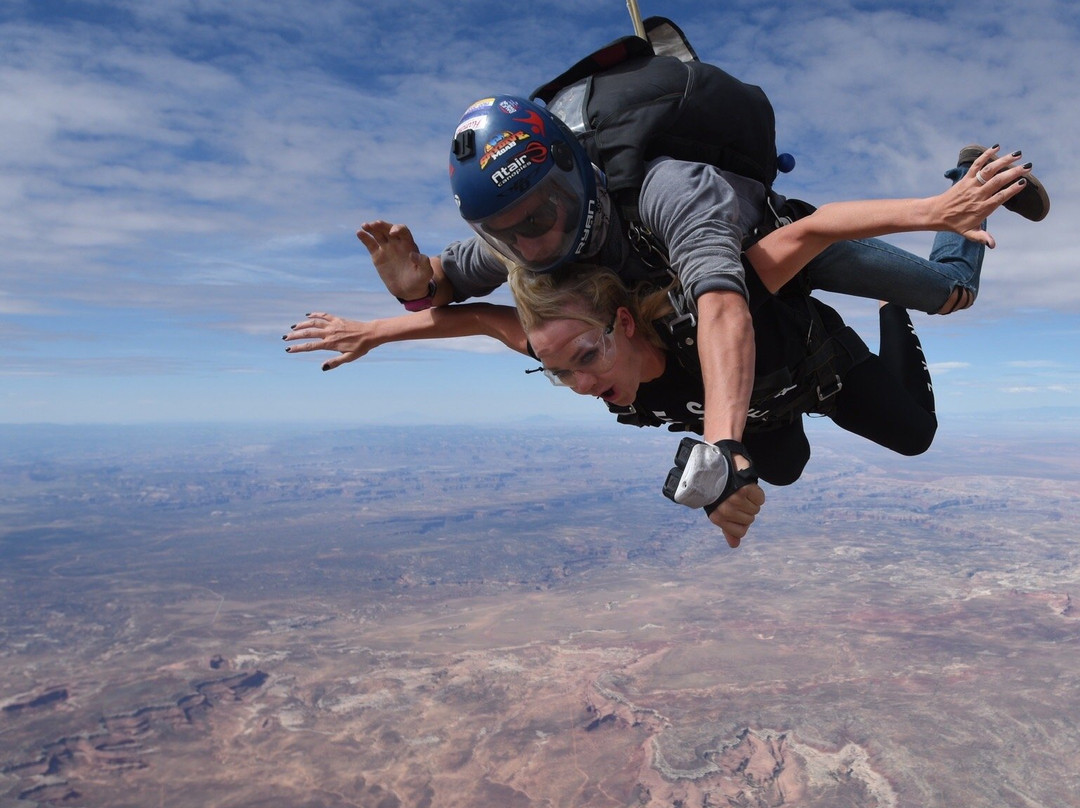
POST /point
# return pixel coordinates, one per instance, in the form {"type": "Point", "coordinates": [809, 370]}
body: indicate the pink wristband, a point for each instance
{"type": "Point", "coordinates": [422, 303]}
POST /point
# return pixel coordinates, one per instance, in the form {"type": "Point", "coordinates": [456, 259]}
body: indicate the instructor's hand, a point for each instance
{"type": "Point", "coordinates": [397, 259]}
{"type": "Point", "coordinates": [736, 513]}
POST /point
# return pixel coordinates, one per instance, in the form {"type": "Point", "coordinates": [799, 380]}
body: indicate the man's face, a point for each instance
{"type": "Point", "coordinates": [534, 229]}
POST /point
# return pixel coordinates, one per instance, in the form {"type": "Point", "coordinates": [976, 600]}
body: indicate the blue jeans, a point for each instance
{"type": "Point", "coordinates": [872, 268]}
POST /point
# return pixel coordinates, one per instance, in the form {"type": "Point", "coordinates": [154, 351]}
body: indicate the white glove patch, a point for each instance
{"type": "Point", "coordinates": [703, 478]}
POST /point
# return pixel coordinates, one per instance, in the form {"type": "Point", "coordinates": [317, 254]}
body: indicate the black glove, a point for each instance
{"type": "Point", "coordinates": [709, 470]}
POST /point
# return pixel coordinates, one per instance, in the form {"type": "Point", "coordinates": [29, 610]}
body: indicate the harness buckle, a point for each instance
{"type": "Point", "coordinates": [778, 220]}
{"type": "Point", "coordinates": [682, 320]}
{"type": "Point", "coordinates": [824, 393]}
{"type": "Point", "coordinates": [678, 321]}
{"type": "Point", "coordinates": [648, 249]}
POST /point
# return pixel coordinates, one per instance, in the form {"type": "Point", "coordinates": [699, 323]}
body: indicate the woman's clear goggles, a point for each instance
{"type": "Point", "coordinates": [594, 353]}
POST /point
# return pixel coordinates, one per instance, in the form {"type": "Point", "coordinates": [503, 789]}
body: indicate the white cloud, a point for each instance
{"type": "Point", "coordinates": [13, 304]}
{"type": "Point", "coordinates": [1034, 363]}
{"type": "Point", "coordinates": [941, 368]}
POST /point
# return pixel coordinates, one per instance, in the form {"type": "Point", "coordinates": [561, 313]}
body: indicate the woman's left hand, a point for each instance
{"type": "Point", "coordinates": [989, 182]}
{"type": "Point", "coordinates": [327, 332]}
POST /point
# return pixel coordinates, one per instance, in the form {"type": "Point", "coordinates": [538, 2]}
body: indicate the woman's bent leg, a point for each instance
{"type": "Point", "coordinates": [946, 281]}
{"type": "Point", "coordinates": [889, 398]}
{"type": "Point", "coordinates": [902, 355]}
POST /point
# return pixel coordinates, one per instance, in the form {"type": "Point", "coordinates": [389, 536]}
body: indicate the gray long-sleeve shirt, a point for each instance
{"type": "Point", "coordinates": [697, 211]}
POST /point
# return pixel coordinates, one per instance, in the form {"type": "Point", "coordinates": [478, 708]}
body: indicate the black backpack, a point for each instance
{"type": "Point", "coordinates": [637, 99]}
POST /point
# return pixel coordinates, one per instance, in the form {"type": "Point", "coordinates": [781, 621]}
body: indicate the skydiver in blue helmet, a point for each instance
{"type": "Point", "coordinates": [527, 188]}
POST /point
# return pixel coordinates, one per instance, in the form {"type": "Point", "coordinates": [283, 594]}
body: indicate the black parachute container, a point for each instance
{"type": "Point", "coordinates": [637, 99]}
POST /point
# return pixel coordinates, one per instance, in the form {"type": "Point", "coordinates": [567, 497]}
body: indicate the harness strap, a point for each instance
{"type": "Point", "coordinates": [630, 416]}
{"type": "Point", "coordinates": [811, 387]}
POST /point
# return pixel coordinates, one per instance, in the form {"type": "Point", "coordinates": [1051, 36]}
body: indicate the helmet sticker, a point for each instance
{"type": "Point", "coordinates": [533, 153]}
{"type": "Point", "coordinates": [586, 228]}
{"type": "Point", "coordinates": [500, 145]}
{"type": "Point", "coordinates": [533, 121]}
{"type": "Point", "coordinates": [475, 122]}
{"type": "Point", "coordinates": [509, 106]}
{"type": "Point", "coordinates": [479, 106]}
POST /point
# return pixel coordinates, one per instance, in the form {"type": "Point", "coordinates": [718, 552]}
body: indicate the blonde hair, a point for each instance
{"type": "Point", "coordinates": [591, 294]}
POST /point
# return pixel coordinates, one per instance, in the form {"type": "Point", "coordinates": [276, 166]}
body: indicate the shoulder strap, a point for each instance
{"type": "Point", "coordinates": [678, 331]}
{"type": "Point", "coordinates": [630, 416]}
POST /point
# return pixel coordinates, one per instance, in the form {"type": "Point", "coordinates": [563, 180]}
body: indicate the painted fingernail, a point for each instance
{"type": "Point", "coordinates": [1021, 181]}
{"type": "Point", "coordinates": [325, 367]}
{"type": "Point", "coordinates": [1027, 165]}
{"type": "Point", "coordinates": [288, 349]}
{"type": "Point", "coordinates": [284, 336]}
{"type": "Point", "coordinates": [1017, 153]}
{"type": "Point", "coordinates": [996, 146]}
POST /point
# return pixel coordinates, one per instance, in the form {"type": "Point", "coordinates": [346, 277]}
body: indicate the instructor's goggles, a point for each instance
{"type": "Point", "coordinates": [542, 230]}
{"type": "Point", "coordinates": [535, 224]}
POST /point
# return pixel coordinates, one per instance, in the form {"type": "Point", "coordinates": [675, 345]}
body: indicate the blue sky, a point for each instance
{"type": "Point", "coordinates": [181, 180]}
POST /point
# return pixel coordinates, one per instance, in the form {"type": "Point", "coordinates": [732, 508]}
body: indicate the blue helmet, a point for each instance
{"type": "Point", "coordinates": [524, 183]}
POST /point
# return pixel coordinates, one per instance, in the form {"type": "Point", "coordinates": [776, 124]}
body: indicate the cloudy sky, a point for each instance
{"type": "Point", "coordinates": [180, 180]}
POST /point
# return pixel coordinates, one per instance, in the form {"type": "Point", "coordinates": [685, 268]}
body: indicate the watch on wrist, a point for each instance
{"type": "Point", "coordinates": [421, 303]}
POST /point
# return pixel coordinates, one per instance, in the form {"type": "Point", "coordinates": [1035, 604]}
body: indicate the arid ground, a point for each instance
{"type": "Point", "coordinates": [520, 619]}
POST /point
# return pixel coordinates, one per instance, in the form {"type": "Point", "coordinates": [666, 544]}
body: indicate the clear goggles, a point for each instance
{"type": "Point", "coordinates": [592, 353]}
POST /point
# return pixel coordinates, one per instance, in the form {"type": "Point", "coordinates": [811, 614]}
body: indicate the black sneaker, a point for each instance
{"type": "Point", "coordinates": [1032, 203]}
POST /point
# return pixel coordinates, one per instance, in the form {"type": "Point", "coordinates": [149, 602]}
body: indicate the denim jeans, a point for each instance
{"type": "Point", "coordinates": [872, 268]}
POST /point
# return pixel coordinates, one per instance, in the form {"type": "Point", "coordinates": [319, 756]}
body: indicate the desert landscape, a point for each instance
{"type": "Point", "coordinates": [214, 617]}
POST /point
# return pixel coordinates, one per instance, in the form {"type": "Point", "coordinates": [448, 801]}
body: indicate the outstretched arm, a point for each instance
{"type": "Point", "coordinates": [963, 208]}
{"type": "Point", "coordinates": [353, 339]}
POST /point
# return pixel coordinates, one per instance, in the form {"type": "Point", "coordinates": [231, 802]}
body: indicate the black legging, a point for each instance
{"type": "Point", "coordinates": [887, 398]}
